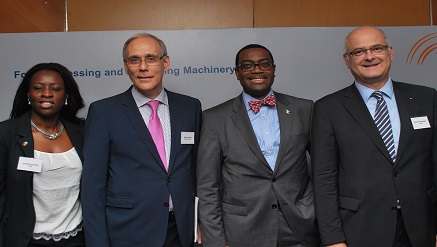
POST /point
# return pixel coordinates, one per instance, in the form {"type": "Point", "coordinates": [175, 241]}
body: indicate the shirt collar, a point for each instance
{"type": "Point", "coordinates": [366, 92]}
{"type": "Point", "coordinates": [247, 98]}
{"type": "Point", "coordinates": [141, 100]}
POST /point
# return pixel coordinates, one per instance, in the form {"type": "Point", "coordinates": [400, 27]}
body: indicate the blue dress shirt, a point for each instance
{"type": "Point", "coordinates": [390, 99]}
{"type": "Point", "coordinates": [265, 124]}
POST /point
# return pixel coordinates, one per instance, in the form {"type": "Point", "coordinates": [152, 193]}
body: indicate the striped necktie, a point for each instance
{"type": "Point", "coordinates": [382, 121]}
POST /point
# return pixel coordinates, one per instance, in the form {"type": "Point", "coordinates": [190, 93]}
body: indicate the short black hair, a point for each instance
{"type": "Point", "coordinates": [251, 46]}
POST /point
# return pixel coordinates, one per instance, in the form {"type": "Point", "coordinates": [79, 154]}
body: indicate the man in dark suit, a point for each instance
{"type": "Point", "coordinates": [375, 174]}
{"type": "Point", "coordinates": [253, 185]}
{"type": "Point", "coordinates": [139, 187]}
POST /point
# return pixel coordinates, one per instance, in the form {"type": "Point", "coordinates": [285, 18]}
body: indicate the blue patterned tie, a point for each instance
{"type": "Point", "coordinates": [382, 121]}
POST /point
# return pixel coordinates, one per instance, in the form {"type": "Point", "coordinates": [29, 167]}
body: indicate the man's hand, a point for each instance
{"type": "Point", "coordinates": [199, 235]}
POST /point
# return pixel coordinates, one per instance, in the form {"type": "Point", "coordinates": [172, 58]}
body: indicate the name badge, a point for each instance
{"type": "Point", "coordinates": [420, 123]}
{"type": "Point", "coordinates": [187, 137]}
{"type": "Point", "coordinates": [29, 164]}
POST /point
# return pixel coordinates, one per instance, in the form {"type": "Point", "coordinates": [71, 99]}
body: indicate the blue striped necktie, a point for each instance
{"type": "Point", "coordinates": [382, 121]}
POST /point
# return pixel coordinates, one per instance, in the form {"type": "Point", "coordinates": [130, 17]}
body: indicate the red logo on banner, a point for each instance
{"type": "Point", "coordinates": [422, 48]}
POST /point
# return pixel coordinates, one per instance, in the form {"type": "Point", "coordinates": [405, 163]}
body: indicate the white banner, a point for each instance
{"type": "Point", "coordinates": [309, 60]}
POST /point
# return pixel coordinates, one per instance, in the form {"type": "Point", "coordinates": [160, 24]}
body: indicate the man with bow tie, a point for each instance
{"type": "Point", "coordinates": [253, 179]}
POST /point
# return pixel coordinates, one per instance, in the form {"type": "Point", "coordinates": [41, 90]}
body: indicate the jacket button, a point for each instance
{"type": "Point", "coordinates": [169, 180]}
{"type": "Point", "coordinates": [274, 206]}
{"type": "Point", "coordinates": [395, 174]}
{"type": "Point", "coordinates": [273, 180]}
{"type": "Point", "coordinates": [166, 204]}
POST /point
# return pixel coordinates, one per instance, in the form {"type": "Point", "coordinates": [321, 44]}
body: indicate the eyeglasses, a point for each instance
{"type": "Point", "coordinates": [251, 66]}
{"type": "Point", "coordinates": [375, 50]}
{"type": "Point", "coordinates": [150, 60]}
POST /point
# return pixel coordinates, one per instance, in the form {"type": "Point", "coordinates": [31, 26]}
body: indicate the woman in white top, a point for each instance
{"type": "Point", "coordinates": [41, 162]}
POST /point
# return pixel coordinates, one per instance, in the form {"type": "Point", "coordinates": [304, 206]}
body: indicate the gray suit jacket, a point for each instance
{"type": "Point", "coordinates": [239, 193]}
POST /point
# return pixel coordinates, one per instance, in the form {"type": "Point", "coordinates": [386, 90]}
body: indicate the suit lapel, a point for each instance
{"type": "Point", "coordinates": [26, 143]}
{"type": "Point", "coordinates": [242, 121]}
{"type": "Point", "coordinates": [134, 116]}
{"type": "Point", "coordinates": [75, 135]}
{"type": "Point", "coordinates": [286, 116]}
{"type": "Point", "coordinates": [25, 140]}
{"type": "Point", "coordinates": [175, 114]}
{"type": "Point", "coordinates": [354, 103]}
{"type": "Point", "coordinates": [405, 103]}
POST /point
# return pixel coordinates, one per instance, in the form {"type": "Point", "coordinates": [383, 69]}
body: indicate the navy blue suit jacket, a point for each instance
{"type": "Point", "coordinates": [125, 189]}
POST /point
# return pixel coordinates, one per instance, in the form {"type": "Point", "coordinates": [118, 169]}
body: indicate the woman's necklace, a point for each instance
{"type": "Point", "coordinates": [46, 134]}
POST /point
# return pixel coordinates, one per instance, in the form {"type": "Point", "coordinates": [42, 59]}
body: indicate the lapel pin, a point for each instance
{"type": "Point", "coordinates": [288, 111]}
{"type": "Point", "coordinates": [25, 144]}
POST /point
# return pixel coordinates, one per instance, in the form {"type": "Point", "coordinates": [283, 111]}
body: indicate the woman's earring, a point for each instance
{"type": "Point", "coordinates": [66, 102]}
{"type": "Point", "coordinates": [28, 101]}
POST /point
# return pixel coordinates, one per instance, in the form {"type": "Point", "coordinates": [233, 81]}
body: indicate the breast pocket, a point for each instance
{"type": "Point", "coordinates": [348, 203]}
{"type": "Point", "coordinates": [234, 209]}
{"type": "Point", "coordinates": [119, 202]}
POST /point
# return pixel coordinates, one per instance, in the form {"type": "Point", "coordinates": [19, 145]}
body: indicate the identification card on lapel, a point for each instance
{"type": "Point", "coordinates": [29, 164]}
{"type": "Point", "coordinates": [187, 137]}
{"type": "Point", "coordinates": [420, 123]}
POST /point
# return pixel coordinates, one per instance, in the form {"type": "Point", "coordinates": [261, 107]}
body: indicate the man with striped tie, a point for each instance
{"type": "Point", "coordinates": [374, 150]}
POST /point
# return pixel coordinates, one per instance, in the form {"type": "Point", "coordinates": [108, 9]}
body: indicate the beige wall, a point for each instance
{"type": "Point", "coordinates": [434, 13]}
{"type": "Point", "coordinates": [22, 16]}
{"type": "Point", "coordinates": [158, 14]}
{"type": "Point", "coordinates": [95, 15]}
{"type": "Point", "coordinates": [306, 13]}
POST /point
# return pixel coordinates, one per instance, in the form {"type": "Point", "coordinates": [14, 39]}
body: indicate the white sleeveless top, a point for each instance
{"type": "Point", "coordinates": [56, 195]}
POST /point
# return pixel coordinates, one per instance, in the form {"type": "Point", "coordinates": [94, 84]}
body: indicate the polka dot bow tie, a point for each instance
{"type": "Point", "coordinates": [255, 105]}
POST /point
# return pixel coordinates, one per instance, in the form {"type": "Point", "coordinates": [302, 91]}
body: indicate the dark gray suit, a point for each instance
{"type": "Point", "coordinates": [240, 196]}
{"type": "Point", "coordinates": [356, 182]}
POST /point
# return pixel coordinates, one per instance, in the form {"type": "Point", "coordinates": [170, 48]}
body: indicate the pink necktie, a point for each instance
{"type": "Point", "coordinates": [155, 129]}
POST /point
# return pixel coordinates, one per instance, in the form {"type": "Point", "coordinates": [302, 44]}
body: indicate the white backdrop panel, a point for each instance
{"type": "Point", "coordinates": [309, 60]}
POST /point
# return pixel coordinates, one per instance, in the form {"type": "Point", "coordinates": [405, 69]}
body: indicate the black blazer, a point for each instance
{"type": "Point", "coordinates": [17, 214]}
{"type": "Point", "coordinates": [356, 182]}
